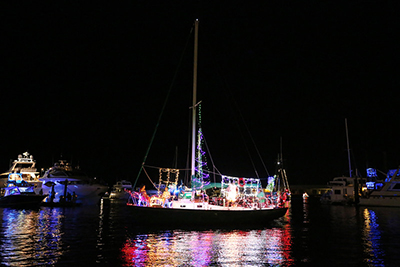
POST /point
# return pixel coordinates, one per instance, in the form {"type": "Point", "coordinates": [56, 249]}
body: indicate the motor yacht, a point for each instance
{"type": "Point", "coordinates": [385, 192]}
{"type": "Point", "coordinates": [62, 181]}
{"type": "Point", "coordinates": [25, 167]}
{"type": "Point", "coordinates": [19, 193]}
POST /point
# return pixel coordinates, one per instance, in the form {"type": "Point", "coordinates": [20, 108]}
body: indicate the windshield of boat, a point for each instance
{"type": "Point", "coordinates": [26, 190]}
{"type": "Point", "coordinates": [24, 165]}
{"type": "Point", "coordinates": [63, 173]}
{"type": "Point", "coordinates": [12, 191]}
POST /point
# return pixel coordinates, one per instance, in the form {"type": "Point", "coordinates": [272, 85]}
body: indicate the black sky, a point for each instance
{"type": "Point", "coordinates": [88, 81]}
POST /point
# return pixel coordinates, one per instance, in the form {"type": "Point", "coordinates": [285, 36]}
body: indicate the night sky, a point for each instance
{"type": "Point", "coordinates": [88, 81]}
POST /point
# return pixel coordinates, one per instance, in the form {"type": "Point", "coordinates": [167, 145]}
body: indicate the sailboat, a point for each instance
{"type": "Point", "coordinates": [235, 201]}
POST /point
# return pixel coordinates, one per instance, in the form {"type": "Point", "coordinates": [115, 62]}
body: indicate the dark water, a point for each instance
{"type": "Point", "coordinates": [309, 235]}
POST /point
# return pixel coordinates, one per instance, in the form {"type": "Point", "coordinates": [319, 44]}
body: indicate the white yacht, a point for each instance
{"type": "Point", "coordinates": [62, 181]}
{"type": "Point", "coordinates": [24, 167]}
{"type": "Point", "coordinates": [342, 191]}
{"type": "Point", "coordinates": [383, 192]}
{"type": "Point", "coordinates": [119, 190]}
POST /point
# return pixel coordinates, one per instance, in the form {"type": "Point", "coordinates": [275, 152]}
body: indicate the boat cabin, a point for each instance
{"type": "Point", "coordinates": [342, 190]}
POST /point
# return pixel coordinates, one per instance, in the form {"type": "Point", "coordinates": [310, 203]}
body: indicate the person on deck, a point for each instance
{"type": "Point", "coordinates": [144, 195]}
{"type": "Point", "coordinates": [166, 196]}
{"type": "Point", "coordinates": [74, 197]}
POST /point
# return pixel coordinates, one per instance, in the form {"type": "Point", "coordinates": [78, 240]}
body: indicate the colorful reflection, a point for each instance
{"type": "Point", "coordinates": [372, 239]}
{"type": "Point", "coordinates": [209, 248]}
{"type": "Point", "coordinates": [32, 237]}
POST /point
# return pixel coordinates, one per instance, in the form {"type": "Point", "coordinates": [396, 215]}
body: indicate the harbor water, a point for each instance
{"type": "Point", "coordinates": [310, 234]}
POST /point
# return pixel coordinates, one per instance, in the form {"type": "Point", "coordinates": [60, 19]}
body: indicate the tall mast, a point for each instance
{"type": "Point", "coordinates": [196, 31]}
{"type": "Point", "coordinates": [348, 147]}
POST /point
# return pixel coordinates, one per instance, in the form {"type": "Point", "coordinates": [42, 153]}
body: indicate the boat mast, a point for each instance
{"type": "Point", "coordinates": [196, 31]}
{"type": "Point", "coordinates": [348, 148]}
{"type": "Point", "coordinates": [283, 171]}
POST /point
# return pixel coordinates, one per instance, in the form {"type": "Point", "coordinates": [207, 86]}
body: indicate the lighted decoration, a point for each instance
{"type": "Point", "coordinates": [15, 178]}
{"type": "Point", "coordinates": [378, 186]}
{"type": "Point", "coordinates": [173, 189]}
{"type": "Point", "coordinates": [156, 201]}
{"type": "Point", "coordinates": [202, 175]}
{"type": "Point", "coordinates": [168, 181]}
{"type": "Point", "coordinates": [391, 173]}
{"type": "Point", "coordinates": [370, 185]}
{"type": "Point", "coordinates": [232, 193]}
{"type": "Point", "coordinates": [251, 186]}
{"type": "Point", "coordinates": [271, 183]}
{"type": "Point", "coordinates": [371, 173]}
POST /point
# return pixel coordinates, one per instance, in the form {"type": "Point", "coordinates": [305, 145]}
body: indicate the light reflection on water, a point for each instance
{"type": "Point", "coordinates": [31, 237]}
{"type": "Point", "coordinates": [371, 238]}
{"type": "Point", "coordinates": [205, 248]}
{"type": "Point", "coordinates": [310, 235]}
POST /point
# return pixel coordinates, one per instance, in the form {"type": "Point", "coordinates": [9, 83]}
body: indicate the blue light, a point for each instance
{"type": "Point", "coordinates": [371, 172]}
{"type": "Point", "coordinates": [378, 186]}
{"type": "Point", "coordinates": [370, 185]}
{"type": "Point", "coordinates": [13, 179]}
{"type": "Point", "coordinates": [391, 173]}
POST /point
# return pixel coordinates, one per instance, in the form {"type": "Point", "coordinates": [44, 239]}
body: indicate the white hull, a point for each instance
{"type": "Point", "coordinates": [119, 190]}
{"type": "Point", "coordinates": [342, 191]}
{"type": "Point", "coordinates": [87, 194]}
{"type": "Point", "coordinates": [191, 205]}
{"type": "Point", "coordinates": [383, 193]}
{"type": "Point", "coordinates": [381, 201]}
{"type": "Point", "coordinates": [119, 195]}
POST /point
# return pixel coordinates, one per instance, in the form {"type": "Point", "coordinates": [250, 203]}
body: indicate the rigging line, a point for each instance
{"type": "Point", "coordinates": [225, 83]}
{"type": "Point", "coordinates": [164, 105]}
{"type": "Point", "coordinates": [149, 177]}
{"type": "Point", "coordinates": [155, 167]}
{"type": "Point", "coordinates": [212, 161]}
{"type": "Point", "coordinates": [247, 148]}
{"type": "Point", "coordinates": [251, 138]}
{"type": "Point", "coordinates": [186, 178]}
{"type": "Point", "coordinates": [241, 135]}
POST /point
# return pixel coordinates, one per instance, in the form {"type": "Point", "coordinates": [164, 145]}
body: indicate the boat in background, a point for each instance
{"type": "Point", "coordinates": [240, 201]}
{"type": "Point", "coordinates": [343, 191]}
{"type": "Point", "coordinates": [19, 193]}
{"type": "Point", "coordinates": [120, 190]}
{"type": "Point", "coordinates": [62, 181]}
{"type": "Point", "coordinates": [24, 167]}
{"type": "Point", "coordinates": [385, 193]}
